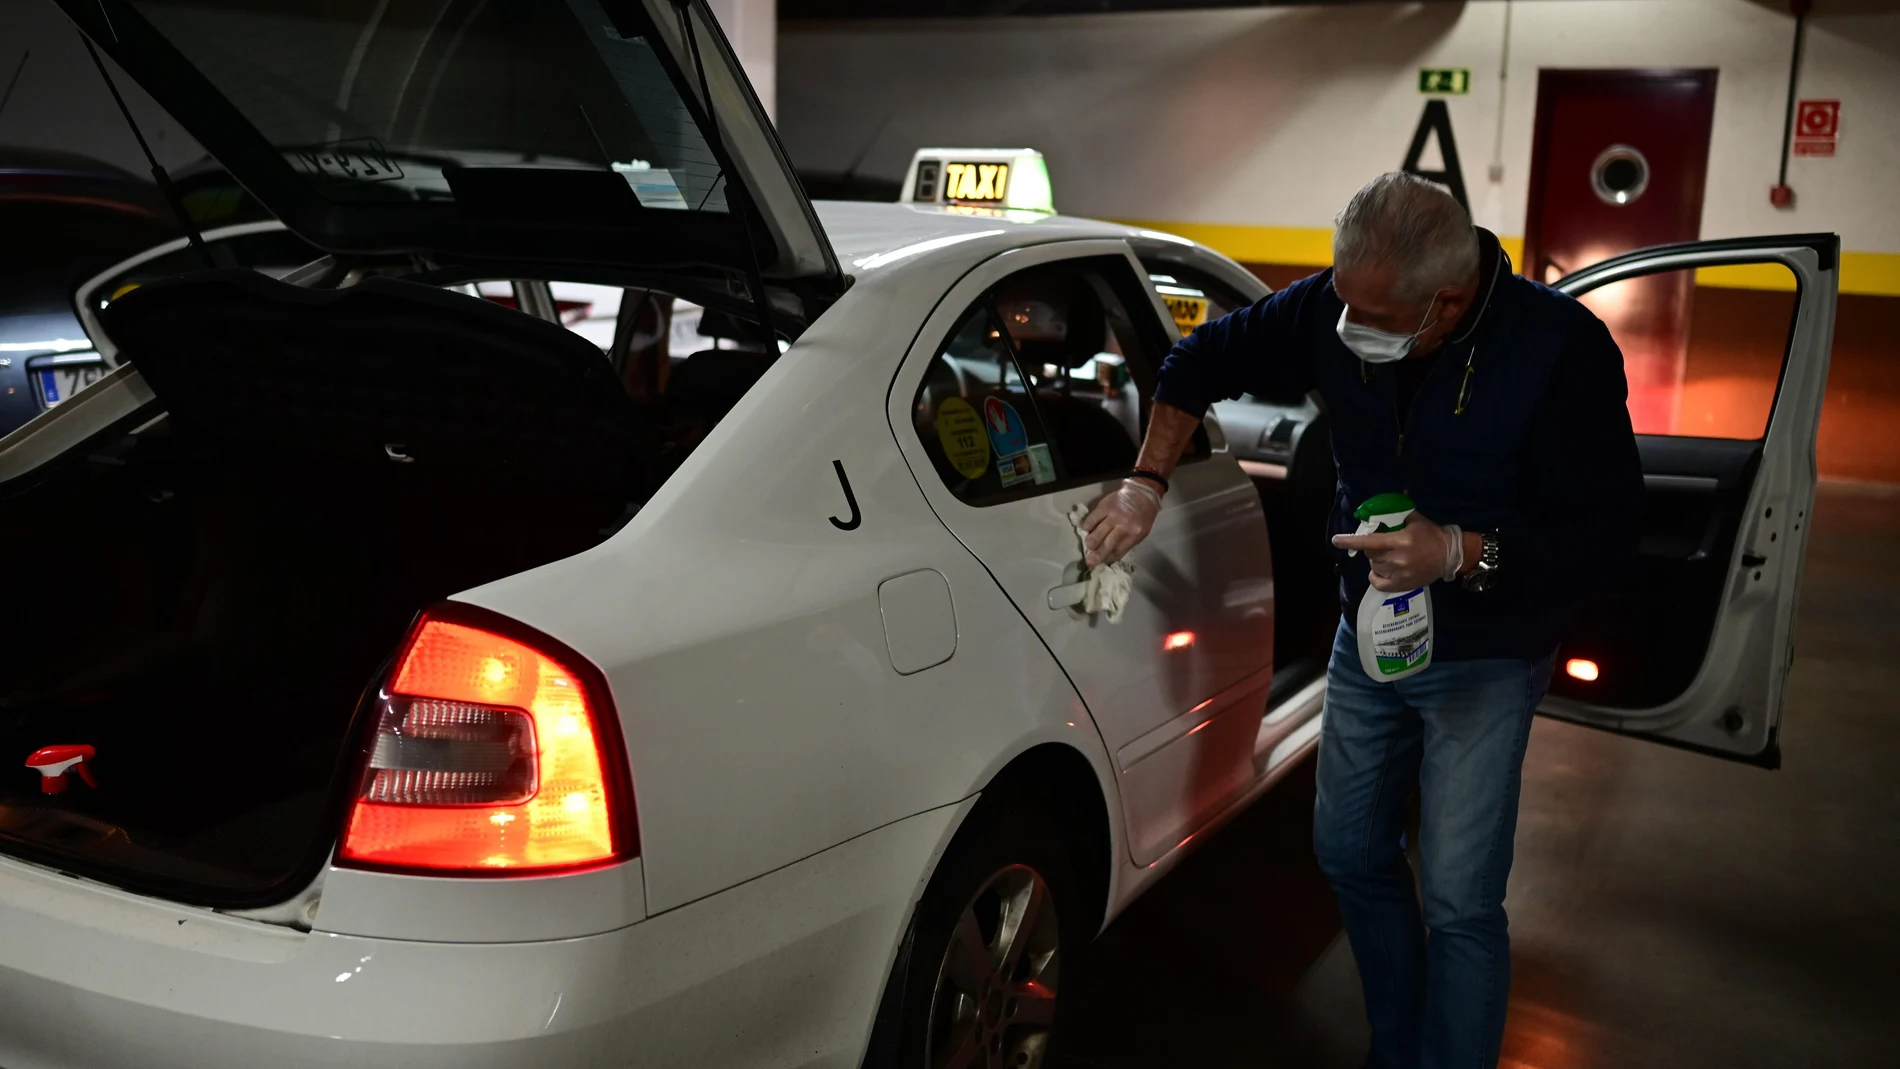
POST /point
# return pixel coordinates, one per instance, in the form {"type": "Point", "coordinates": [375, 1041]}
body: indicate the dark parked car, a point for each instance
{"type": "Point", "coordinates": [66, 218]}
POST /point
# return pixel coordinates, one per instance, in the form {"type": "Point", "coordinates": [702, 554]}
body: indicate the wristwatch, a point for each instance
{"type": "Point", "coordinates": [1485, 575]}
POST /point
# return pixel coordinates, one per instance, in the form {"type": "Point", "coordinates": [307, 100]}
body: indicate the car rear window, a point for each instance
{"type": "Point", "coordinates": [1042, 385]}
{"type": "Point", "coordinates": [378, 100]}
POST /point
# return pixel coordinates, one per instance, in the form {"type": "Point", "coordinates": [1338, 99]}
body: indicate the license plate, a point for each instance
{"type": "Point", "coordinates": [61, 383]}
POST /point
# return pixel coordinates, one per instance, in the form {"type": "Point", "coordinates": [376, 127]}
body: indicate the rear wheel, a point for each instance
{"type": "Point", "coordinates": [996, 941]}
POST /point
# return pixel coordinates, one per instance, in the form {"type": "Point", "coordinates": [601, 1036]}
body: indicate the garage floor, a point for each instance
{"type": "Point", "coordinates": [1667, 909]}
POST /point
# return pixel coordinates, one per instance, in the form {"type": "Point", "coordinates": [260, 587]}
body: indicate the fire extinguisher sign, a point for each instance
{"type": "Point", "coordinates": [1817, 127]}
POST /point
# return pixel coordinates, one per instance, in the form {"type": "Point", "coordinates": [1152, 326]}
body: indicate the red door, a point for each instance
{"type": "Point", "coordinates": [1617, 164]}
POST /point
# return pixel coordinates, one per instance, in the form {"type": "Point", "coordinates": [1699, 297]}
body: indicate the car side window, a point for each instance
{"type": "Point", "coordinates": [1192, 296]}
{"type": "Point", "coordinates": [1703, 348]}
{"type": "Point", "coordinates": [1044, 384]}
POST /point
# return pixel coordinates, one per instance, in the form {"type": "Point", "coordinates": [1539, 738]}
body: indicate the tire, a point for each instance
{"type": "Point", "coordinates": [974, 987]}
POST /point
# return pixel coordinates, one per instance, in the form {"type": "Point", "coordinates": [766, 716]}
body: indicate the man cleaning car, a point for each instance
{"type": "Point", "coordinates": [1497, 407]}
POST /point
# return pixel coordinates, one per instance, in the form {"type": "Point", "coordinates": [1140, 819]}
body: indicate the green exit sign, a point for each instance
{"type": "Point", "coordinates": [1445, 80]}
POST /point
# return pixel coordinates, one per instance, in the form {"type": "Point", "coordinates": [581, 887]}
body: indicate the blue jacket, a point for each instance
{"type": "Point", "coordinates": [1541, 453]}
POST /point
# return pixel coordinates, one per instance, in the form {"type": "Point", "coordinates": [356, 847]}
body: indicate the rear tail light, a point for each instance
{"type": "Point", "coordinates": [495, 749]}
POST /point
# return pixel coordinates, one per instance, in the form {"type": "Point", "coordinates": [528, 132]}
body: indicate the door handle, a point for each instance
{"type": "Point", "coordinates": [1068, 595]}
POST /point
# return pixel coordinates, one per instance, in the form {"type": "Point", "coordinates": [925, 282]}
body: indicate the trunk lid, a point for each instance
{"type": "Point", "coordinates": [568, 132]}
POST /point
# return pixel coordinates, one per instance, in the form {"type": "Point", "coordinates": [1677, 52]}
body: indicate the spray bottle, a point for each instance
{"type": "Point", "coordinates": [1395, 629]}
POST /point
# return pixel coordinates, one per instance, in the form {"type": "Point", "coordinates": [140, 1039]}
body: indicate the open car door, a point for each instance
{"type": "Point", "coordinates": [1726, 347]}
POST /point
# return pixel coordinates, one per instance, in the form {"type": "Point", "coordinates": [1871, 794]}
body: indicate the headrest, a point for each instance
{"type": "Point", "coordinates": [715, 323]}
{"type": "Point", "coordinates": [717, 374]}
{"type": "Point", "coordinates": [1053, 318]}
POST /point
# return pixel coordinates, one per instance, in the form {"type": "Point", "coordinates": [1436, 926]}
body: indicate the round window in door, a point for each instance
{"type": "Point", "coordinates": [1619, 175]}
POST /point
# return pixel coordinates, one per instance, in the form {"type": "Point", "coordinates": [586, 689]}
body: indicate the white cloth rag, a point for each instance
{"type": "Point", "coordinates": [1109, 585]}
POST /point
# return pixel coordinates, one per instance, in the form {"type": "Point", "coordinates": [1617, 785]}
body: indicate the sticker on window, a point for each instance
{"type": "Point", "coordinates": [1016, 470]}
{"type": "Point", "coordinates": [960, 430]}
{"type": "Point", "coordinates": [361, 159]}
{"type": "Point", "coordinates": [1040, 466]}
{"type": "Point", "coordinates": [1008, 436]}
{"type": "Point", "coordinates": [654, 186]}
{"type": "Point", "coordinates": [1188, 312]}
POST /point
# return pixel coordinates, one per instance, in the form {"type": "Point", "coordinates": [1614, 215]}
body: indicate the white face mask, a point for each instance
{"type": "Point", "coordinates": [1376, 346]}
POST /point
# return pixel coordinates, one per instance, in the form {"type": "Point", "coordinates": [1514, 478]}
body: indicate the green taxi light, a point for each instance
{"type": "Point", "coordinates": [1029, 188]}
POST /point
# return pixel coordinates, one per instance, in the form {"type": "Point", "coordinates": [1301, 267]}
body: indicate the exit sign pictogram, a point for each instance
{"type": "Point", "coordinates": [1453, 80]}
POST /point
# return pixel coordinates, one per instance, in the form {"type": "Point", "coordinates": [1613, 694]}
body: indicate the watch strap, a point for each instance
{"type": "Point", "coordinates": [1484, 574]}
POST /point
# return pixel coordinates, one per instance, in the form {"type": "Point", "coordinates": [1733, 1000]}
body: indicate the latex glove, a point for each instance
{"type": "Point", "coordinates": [1120, 521]}
{"type": "Point", "coordinates": [1106, 587]}
{"type": "Point", "coordinates": [1419, 554]}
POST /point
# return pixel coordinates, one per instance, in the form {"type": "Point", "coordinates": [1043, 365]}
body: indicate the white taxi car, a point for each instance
{"type": "Point", "coordinates": [442, 693]}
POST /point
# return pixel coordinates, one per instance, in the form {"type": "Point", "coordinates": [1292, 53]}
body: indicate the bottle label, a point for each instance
{"type": "Point", "coordinates": [1401, 635]}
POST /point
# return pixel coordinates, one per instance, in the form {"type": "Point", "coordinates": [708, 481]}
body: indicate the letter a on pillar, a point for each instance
{"type": "Point", "coordinates": [1437, 119]}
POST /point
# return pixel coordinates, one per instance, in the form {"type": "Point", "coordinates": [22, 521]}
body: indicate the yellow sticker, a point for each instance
{"type": "Point", "coordinates": [960, 430]}
{"type": "Point", "coordinates": [1188, 312]}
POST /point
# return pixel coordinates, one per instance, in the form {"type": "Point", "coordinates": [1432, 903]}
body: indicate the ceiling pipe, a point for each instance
{"type": "Point", "coordinates": [1780, 195]}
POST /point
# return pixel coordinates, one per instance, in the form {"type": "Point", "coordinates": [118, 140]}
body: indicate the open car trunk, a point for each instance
{"type": "Point", "coordinates": [208, 600]}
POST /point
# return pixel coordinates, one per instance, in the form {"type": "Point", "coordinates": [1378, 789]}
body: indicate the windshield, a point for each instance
{"type": "Point", "coordinates": [454, 100]}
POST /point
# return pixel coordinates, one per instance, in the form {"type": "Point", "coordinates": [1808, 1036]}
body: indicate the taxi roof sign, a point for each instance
{"type": "Point", "coordinates": [1015, 179]}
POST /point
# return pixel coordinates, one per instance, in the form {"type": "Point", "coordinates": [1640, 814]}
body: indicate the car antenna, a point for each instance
{"type": "Point", "coordinates": [755, 276]}
{"type": "Point", "coordinates": [165, 187]}
{"type": "Point", "coordinates": [851, 172]}
{"type": "Point", "coordinates": [15, 81]}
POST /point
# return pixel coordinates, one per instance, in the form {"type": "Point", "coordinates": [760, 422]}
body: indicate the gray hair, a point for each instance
{"type": "Point", "coordinates": [1405, 221]}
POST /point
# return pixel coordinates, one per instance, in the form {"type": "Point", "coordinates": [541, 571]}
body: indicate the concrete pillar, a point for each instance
{"type": "Point", "coordinates": [752, 27]}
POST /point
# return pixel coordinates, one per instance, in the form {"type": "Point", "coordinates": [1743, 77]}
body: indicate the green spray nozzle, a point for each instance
{"type": "Point", "coordinates": [1383, 512]}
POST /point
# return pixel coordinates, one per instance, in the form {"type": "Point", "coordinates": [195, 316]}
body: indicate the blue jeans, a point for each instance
{"type": "Point", "coordinates": [1435, 986]}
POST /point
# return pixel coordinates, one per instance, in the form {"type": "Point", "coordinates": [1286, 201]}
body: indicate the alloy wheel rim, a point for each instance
{"type": "Point", "coordinates": [995, 998]}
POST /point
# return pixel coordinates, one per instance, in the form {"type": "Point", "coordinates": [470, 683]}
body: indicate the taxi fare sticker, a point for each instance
{"type": "Point", "coordinates": [960, 430]}
{"type": "Point", "coordinates": [1188, 312]}
{"type": "Point", "coordinates": [975, 183]}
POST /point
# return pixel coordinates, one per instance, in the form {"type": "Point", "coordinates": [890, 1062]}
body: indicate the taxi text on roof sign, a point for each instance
{"type": "Point", "coordinates": [975, 183]}
{"type": "Point", "coordinates": [980, 179]}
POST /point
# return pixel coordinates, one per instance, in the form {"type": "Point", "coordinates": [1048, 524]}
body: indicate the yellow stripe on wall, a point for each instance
{"type": "Point", "coordinates": [1872, 274]}
{"type": "Point", "coordinates": [1875, 274]}
{"type": "Point", "coordinates": [1514, 248]}
{"type": "Point", "coordinates": [1303, 246]}
{"type": "Point", "coordinates": [1748, 277]}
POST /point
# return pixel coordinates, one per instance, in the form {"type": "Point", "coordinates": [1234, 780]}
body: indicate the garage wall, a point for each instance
{"type": "Point", "coordinates": [1247, 129]}
{"type": "Point", "coordinates": [752, 28]}
{"type": "Point", "coordinates": [1271, 117]}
